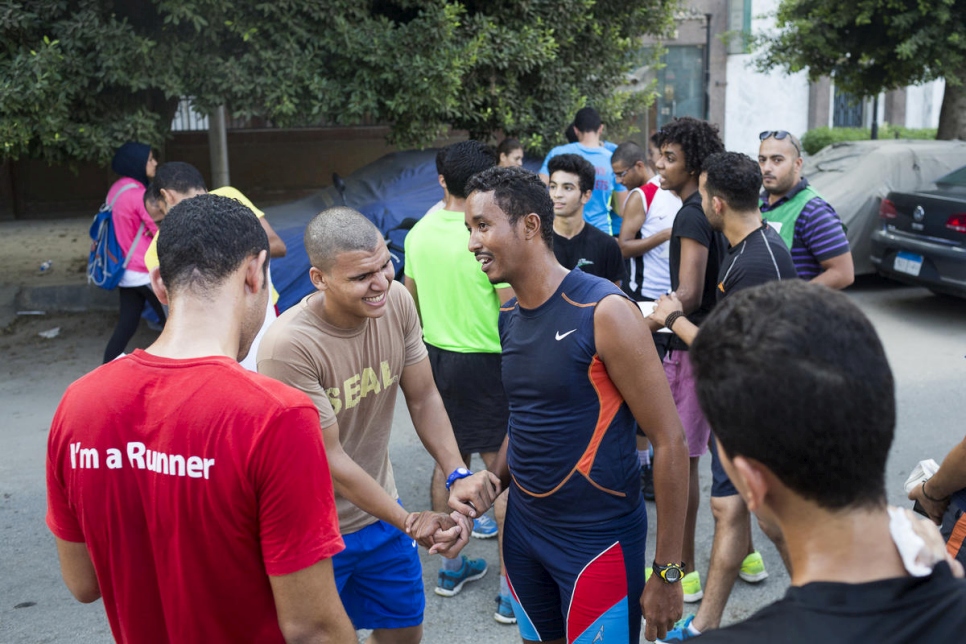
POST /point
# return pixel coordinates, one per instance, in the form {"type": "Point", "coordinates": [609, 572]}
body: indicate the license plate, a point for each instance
{"type": "Point", "coordinates": [908, 263]}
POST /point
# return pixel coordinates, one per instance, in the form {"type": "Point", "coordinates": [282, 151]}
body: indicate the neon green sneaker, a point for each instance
{"type": "Point", "coordinates": [691, 585]}
{"type": "Point", "coordinates": [753, 568]}
{"type": "Point", "coordinates": [647, 573]}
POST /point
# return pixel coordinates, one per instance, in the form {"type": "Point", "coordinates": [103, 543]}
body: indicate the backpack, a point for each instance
{"type": "Point", "coordinates": [105, 265]}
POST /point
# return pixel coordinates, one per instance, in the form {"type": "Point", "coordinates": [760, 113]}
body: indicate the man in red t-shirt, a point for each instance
{"type": "Point", "coordinates": [192, 495]}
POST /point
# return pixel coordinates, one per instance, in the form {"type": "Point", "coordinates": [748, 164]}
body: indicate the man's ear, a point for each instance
{"type": "Point", "coordinates": [319, 279]}
{"type": "Point", "coordinates": [167, 196]}
{"type": "Point", "coordinates": [798, 163]}
{"type": "Point", "coordinates": [255, 278]}
{"type": "Point", "coordinates": [756, 481]}
{"type": "Point", "coordinates": [442, 182]}
{"type": "Point", "coordinates": [157, 285]}
{"type": "Point", "coordinates": [584, 198]}
{"type": "Point", "coordinates": [531, 225]}
{"type": "Point", "coordinates": [718, 204]}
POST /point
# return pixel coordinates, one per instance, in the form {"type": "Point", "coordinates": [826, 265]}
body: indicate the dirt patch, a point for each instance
{"type": "Point", "coordinates": [25, 245]}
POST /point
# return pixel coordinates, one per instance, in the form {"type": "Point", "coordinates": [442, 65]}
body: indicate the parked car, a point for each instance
{"type": "Point", "coordinates": [855, 176]}
{"type": "Point", "coordinates": [922, 236]}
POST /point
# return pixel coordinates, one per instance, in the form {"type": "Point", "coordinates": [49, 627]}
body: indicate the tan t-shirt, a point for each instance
{"type": "Point", "coordinates": [353, 378]}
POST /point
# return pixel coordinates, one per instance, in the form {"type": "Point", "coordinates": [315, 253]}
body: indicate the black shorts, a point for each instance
{"type": "Point", "coordinates": [471, 385]}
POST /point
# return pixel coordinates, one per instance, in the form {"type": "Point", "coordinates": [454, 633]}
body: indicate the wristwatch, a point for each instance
{"type": "Point", "coordinates": [671, 573]}
{"type": "Point", "coordinates": [458, 473]}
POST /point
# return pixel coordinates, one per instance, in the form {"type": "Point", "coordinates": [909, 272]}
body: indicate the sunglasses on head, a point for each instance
{"type": "Point", "coordinates": [780, 134]}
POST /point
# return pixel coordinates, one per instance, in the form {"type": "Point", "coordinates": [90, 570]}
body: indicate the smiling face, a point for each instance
{"type": "Point", "coordinates": [493, 240]}
{"type": "Point", "coordinates": [780, 166]}
{"type": "Point", "coordinates": [564, 189]}
{"type": "Point", "coordinates": [356, 287]}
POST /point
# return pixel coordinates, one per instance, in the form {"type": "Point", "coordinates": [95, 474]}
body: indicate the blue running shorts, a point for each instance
{"type": "Point", "coordinates": [379, 578]}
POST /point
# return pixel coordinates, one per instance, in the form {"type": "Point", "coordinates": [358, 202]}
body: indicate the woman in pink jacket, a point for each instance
{"type": "Point", "coordinates": [135, 164]}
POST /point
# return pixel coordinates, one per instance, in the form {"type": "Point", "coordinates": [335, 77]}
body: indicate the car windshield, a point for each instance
{"type": "Point", "coordinates": [955, 178]}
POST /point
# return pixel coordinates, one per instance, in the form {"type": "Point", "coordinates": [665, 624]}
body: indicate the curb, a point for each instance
{"type": "Point", "coordinates": [59, 298]}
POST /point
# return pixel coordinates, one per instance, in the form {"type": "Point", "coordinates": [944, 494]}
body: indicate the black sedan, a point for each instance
{"type": "Point", "coordinates": [922, 237]}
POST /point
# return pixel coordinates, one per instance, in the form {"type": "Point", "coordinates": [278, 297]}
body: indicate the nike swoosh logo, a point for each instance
{"type": "Point", "coordinates": [561, 336]}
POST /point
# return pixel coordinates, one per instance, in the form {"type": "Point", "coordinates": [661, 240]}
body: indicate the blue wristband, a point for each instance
{"type": "Point", "coordinates": [458, 473]}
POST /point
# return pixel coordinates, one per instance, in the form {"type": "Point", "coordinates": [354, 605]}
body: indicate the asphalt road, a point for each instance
{"type": "Point", "coordinates": [924, 335]}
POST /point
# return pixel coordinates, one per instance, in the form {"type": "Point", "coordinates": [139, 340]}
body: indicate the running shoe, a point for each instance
{"type": "Point", "coordinates": [753, 568]}
{"type": "Point", "coordinates": [680, 632]}
{"type": "Point", "coordinates": [691, 585]}
{"type": "Point", "coordinates": [450, 583]}
{"type": "Point", "coordinates": [647, 574]}
{"type": "Point", "coordinates": [504, 610]}
{"type": "Point", "coordinates": [484, 527]}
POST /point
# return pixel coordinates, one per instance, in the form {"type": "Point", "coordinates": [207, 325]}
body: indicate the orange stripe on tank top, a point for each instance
{"type": "Point", "coordinates": [610, 401]}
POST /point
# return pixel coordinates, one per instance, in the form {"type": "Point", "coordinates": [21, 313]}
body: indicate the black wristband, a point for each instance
{"type": "Point", "coordinates": [926, 494]}
{"type": "Point", "coordinates": [671, 318]}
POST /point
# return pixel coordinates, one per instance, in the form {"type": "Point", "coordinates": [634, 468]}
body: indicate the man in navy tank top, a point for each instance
{"type": "Point", "coordinates": [577, 376]}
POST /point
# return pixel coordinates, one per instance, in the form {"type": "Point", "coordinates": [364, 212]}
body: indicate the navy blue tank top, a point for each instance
{"type": "Point", "coordinates": [572, 452]}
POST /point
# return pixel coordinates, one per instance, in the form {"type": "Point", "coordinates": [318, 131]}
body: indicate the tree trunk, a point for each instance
{"type": "Point", "coordinates": [952, 115]}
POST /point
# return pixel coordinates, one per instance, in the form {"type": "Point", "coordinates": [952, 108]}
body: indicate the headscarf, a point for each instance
{"type": "Point", "coordinates": [131, 160]}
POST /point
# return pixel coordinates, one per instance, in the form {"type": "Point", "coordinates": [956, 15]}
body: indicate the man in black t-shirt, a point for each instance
{"type": "Point", "coordinates": [694, 256]}
{"type": "Point", "coordinates": [728, 189]}
{"type": "Point", "coordinates": [575, 244]}
{"type": "Point", "coordinates": [796, 385]}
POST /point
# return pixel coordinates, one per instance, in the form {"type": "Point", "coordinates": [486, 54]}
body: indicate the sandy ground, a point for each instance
{"type": "Point", "coordinates": [25, 245]}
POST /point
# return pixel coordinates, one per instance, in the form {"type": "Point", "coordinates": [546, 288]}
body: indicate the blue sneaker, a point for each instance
{"type": "Point", "coordinates": [484, 527]}
{"type": "Point", "coordinates": [680, 632]}
{"type": "Point", "coordinates": [504, 610]}
{"type": "Point", "coordinates": [450, 583]}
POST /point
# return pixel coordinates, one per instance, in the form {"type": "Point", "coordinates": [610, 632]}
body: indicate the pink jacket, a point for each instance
{"type": "Point", "coordinates": [128, 214]}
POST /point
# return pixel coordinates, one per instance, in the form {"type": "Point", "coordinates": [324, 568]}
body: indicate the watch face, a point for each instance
{"type": "Point", "coordinates": [462, 470]}
{"type": "Point", "coordinates": [672, 575]}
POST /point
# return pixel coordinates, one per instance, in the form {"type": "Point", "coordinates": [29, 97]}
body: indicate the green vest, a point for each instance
{"type": "Point", "coordinates": [787, 214]}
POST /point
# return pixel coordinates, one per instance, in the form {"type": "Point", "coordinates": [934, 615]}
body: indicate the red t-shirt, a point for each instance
{"type": "Point", "coordinates": [190, 481]}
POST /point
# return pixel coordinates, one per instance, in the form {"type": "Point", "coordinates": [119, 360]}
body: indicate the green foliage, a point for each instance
{"type": "Point", "coordinates": [869, 46]}
{"type": "Point", "coordinates": [79, 77]}
{"type": "Point", "coordinates": [820, 137]}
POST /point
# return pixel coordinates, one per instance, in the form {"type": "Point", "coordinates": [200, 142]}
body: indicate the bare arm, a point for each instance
{"type": "Point", "coordinates": [634, 218]}
{"type": "Point", "coordinates": [837, 272]}
{"type": "Point", "coordinates": [620, 199]}
{"type": "Point", "coordinates": [308, 606]}
{"type": "Point", "coordinates": [355, 484]}
{"type": "Point", "coordinates": [411, 287]}
{"type": "Point", "coordinates": [634, 368]}
{"type": "Point", "coordinates": [276, 247]}
{"type": "Point", "coordinates": [78, 571]}
{"type": "Point", "coordinates": [436, 434]}
{"type": "Point", "coordinates": [682, 327]}
{"type": "Point", "coordinates": [950, 478]}
{"type": "Point", "coordinates": [694, 264]}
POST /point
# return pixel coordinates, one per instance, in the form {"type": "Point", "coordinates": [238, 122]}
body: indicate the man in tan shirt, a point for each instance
{"type": "Point", "coordinates": [351, 346]}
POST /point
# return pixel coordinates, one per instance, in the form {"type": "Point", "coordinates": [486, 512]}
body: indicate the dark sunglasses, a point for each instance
{"type": "Point", "coordinates": [780, 134]}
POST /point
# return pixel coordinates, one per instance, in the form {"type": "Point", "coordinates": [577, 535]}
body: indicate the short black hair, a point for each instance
{"type": "Point", "coordinates": [440, 156]}
{"type": "Point", "coordinates": [734, 177]}
{"type": "Point", "coordinates": [698, 140]}
{"type": "Point", "coordinates": [574, 164]}
{"type": "Point", "coordinates": [206, 238]}
{"type": "Point", "coordinates": [178, 176]}
{"type": "Point", "coordinates": [793, 375]}
{"type": "Point", "coordinates": [587, 120]}
{"type": "Point", "coordinates": [518, 192]}
{"type": "Point", "coordinates": [628, 153]}
{"type": "Point", "coordinates": [507, 146]}
{"type": "Point", "coordinates": [461, 161]}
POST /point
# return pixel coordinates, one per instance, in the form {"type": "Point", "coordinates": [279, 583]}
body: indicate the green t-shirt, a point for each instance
{"type": "Point", "coordinates": [458, 305]}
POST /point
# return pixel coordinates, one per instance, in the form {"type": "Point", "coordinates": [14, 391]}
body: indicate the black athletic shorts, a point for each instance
{"type": "Point", "coordinates": [471, 385]}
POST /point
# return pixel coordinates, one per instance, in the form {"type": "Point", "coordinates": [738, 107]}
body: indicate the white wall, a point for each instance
{"type": "Point", "coordinates": [754, 101]}
{"type": "Point", "coordinates": [923, 103]}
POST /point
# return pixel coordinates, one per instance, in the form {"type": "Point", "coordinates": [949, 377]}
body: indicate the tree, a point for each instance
{"type": "Point", "coordinates": [79, 77]}
{"type": "Point", "coordinates": [869, 46]}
